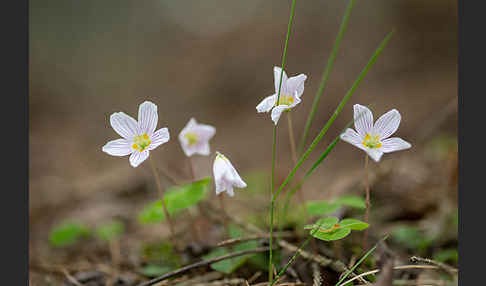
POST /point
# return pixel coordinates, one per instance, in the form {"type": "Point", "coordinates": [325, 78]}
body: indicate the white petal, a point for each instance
{"type": "Point", "coordinates": [394, 144]}
{"type": "Point", "coordinates": [138, 157]}
{"type": "Point", "coordinates": [229, 191]}
{"type": "Point", "coordinates": [147, 117]}
{"type": "Point", "coordinates": [204, 149]}
{"type": "Point", "coordinates": [205, 132]}
{"type": "Point", "coordinates": [387, 124]}
{"type": "Point", "coordinates": [363, 119]}
{"type": "Point", "coordinates": [276, 76]}
{"type": "Point", "coordinates": [375, 154]}
{"type": "Point", "coordinates": [277, 111]}
{"type": "Point", "coordinates": [353, 137]}
{"type": "Point", "coordinates": [124, 125]}
{"type": "Point", "coordinates": [267, 103]}
{"type": "Point", "coordinates": [236, 179]}
{"type": "Point", "coordinates": [119, 147]}
{"type": "Point", "coordinates": [159, 137]}
{"type": "Point", "coordinates": [297, 100]}
{"type": "Point", "coordinates": [219, 169]}
{"type": "Point", "coordinates": [296, 83]}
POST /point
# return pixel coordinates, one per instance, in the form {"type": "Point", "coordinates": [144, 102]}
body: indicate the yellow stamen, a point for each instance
{"type": "Point", "coordinates": [285, 100]}
{"type": "Point", "coordinates": [371, 142]}
{"type": "Point", "coordinates": [191, 138]}
{"type": "Point", "coordinates": [141, 142]}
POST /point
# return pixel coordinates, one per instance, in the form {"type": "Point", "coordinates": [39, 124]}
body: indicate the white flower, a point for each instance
{"type": "Point", "coordinates": [225, 175]}
{"type": "Point", "coordinates": [138, 137]}
{"type": "Point", "coordinates": [195, 138]}
{"type": "Point", "coordinates": [373, 139]}
{"type": "Point", "coordinates": [290, 93]}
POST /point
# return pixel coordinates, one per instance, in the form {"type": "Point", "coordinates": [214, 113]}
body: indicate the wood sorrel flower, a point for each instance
{"type": "Point", "coordinates": [195, 138]}
{"type": "Point", "coordinates": [290, 93]}
{"type": "Point", "coordinates": [138, 137]}
{"type": "Point", "coordinates": [373, 139]}
{"type": "Point", "coordinates": [225, 175]}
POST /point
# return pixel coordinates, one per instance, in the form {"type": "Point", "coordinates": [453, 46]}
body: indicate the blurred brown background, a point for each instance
{"type": "Point", "coordinates": [213, 60]}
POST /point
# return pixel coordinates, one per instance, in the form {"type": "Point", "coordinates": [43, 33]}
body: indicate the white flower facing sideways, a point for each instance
{"type": "Point", "coordinates": [138, 137]}
{"type": "Point", "coordinates": [373, 139]}
{"type": "Point", "coordinates": [225, 175]}
{"type": "Point", "coordinates": [195, 138]}
{"type": "Point", "coordinates": [290, 93]}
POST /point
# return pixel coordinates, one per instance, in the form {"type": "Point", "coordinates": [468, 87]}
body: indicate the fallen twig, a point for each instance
{"type": "Point", "coordinates": [202, 263]}
{"type": "Point", "coordinates": [254, 237]}
{"type": "Point", "coordinates": [316, 274]}
{"type": "Point", "coordinates": [449, 269]}
{"type": "Point", "coordinates": [401, 267]}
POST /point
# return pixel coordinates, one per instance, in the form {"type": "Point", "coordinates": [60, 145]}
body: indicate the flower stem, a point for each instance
{"type": "Point", "coordinates": [368, 204]}
{"type": "Point", "coordinates": [291, 138]}
{"type": "Point", "coordinates": [325, 76]}
{"type": "Point", "coordinates": [274, 147]}
{"type": "Point", "coordinates": [223, 209]}
{"type": "Point", "coordinates": [161, 194]}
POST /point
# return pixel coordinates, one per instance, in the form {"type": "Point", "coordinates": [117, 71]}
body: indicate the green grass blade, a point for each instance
{"type": "Point", "coordinates": [274, 145]}
{"type": "Point", "coordinates": [360, 261]}
{"type": "Point", "coordinates": [335, 114]}
{"type": "Point", "coordinates": [325, 75]}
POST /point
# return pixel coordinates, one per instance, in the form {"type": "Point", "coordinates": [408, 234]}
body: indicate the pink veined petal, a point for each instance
{"type": "Point", "coordinates": [124, 125]}
{"type": "Point", "coordinates": [160, 136]}
{"type": "Point", "coordinates": [375, 154]}
{"type": "Point", "coordinates": [138, 157]}
{"type": "Point", "coordinates": [296, 83]}
{"type": "Point", "coordinates": [394, 144]}
{"type": "Point", "coordinates": [235, 177]}
{"type": "Point", "coordinates": [147, 117]}
{"type": "Point", "coordinates": [277, 111]}
{"type": "Point", "coordinates": [387, 124]}
{"type": "Point", "coordinates": [276, 77]}
{"type": "Point", "coordinates": [266, 104]}
{"type": "Point", "coordinates": [119, 147]}
{"type": "Point", "coordinates": [363, 119]}
{"type": "Point", "coordinates": [219, 173]}
{"type": "Point", "coordinates": [353, 137]}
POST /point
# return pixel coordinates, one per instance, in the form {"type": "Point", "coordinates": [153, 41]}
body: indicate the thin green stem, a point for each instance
{"type": "Point", "coordinates": [325, 75]}
{"type": "Point", "coordinates": [368, 204]}
{"type": "Point", "coordinates": [274, 147]}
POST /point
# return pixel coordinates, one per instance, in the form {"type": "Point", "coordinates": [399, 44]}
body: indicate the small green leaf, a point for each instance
{"type": "Point", "coordinates": [333, 235]}
{"type": "Point", "coordinates": [353, 224]}
{"type": "Point", "coordinates": [110, 230]}
{"type": "Point", "coordinates": [351, 201]}
{"type": "Point", "coordinates": [320, 207]}
{"type": "Point", "coordinates": [177, 199]}
{"type": "Point", "coordinates": [154, 270]}
{"type": "Point", "coordinates": [327, 222]}
{"type": "Point", "coordinates": [447, 255]}
{"type": "Point", "coordinates": [67, 233]}
{"type": "Point", "coordinates": [230, 265]}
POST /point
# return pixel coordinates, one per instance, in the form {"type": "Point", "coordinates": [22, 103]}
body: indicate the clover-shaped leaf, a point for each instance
{"type": "Point", "coordinates": [330, 228]}
{"type": "Point", "coordinates": [177, 199]}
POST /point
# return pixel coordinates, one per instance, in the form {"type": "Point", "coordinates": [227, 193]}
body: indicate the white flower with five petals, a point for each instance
{"type": "Point", "coordinates": [290, 93]}
{"type": "Point", "coordinates": [194, 138]}
{"type": "Point", "coordinates": [138, 137]}
{"type": "Point", "coordinates": [225, 175]}
{"type": "Point", "coordinates": [373, 139]}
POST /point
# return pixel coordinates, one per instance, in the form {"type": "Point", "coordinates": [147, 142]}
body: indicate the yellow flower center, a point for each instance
{"type": "Point", "coordinates": [191, 138]}
{"type": "Point", "coordinates": [140, 142]}
{"type": "Point", "coordinates": [371, 142]}
{"type": "Point", "coordinates": [285, 100]}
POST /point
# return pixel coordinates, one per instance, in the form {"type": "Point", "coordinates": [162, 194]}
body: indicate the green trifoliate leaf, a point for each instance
{"type": "Point", "coordinates": [321, 207]}
{"type": "Point", "coordinates": [67, 233]}
{"type": "Point", "coordinates": [351, 201]}
{"type": "Point", "coordinates": [177, 199]}
{"type": "Point", "coordinates": [110, 230]}
{"type": "Point", "coordinates": [353, 224]}
{"type": "Point", "coordinates": [332, 235]}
